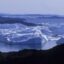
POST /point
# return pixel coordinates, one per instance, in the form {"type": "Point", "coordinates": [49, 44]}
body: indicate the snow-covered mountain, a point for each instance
{"type": "Point", "coordinates": [26, 34]}
{"type": "Point", "coordinates": [15, 34]}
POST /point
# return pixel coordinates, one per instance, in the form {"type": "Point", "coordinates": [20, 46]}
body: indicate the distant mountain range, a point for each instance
{"type": "Point", "coordinates": [30, 16]}
{"type": "Point", "coordinates": [49, 28]}
{"type": "Point", "coordinates": [29, 19]}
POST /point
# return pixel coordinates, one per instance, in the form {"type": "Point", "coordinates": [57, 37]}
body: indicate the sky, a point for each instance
{"type": "Point", "coordinates": [32, 6]}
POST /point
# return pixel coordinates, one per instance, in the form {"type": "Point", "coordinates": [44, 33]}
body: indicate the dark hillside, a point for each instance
{"type": "Point", "coordinates": [53, 56]}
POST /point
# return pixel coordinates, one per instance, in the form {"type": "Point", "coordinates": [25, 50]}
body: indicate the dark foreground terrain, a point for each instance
{"type": "Point", "coordinates": [53, 56]}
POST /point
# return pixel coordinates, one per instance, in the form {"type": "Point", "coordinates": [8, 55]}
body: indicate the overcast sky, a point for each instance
{"type": "Point", "coordinates": [32, 6]}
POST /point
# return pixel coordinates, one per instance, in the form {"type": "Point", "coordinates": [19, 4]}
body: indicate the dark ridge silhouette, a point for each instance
{"type": "Point", "coordinates": [31, 56]}
{"type": "Point", "coordinates": [4, 20]}
{"type": "Point", "coordinates": [60, 41]}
